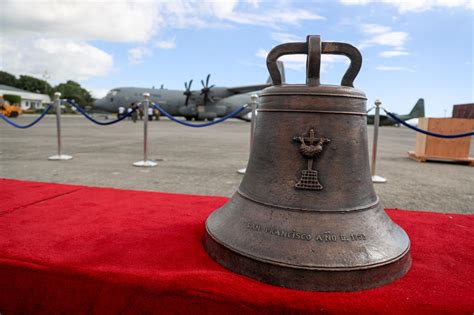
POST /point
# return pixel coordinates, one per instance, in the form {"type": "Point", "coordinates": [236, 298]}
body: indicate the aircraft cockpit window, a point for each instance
{"type": "Point", "coordinates": [113, 92]}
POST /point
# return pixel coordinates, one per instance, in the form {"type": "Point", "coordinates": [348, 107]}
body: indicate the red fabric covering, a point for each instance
{"type": "Point", "coordinates": [76, 249]}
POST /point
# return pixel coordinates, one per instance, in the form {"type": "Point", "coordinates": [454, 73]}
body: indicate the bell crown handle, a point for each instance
{"type": "Point", "coordinates": [313, 48]}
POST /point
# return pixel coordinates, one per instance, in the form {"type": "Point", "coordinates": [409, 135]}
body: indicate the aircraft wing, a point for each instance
{"type": "Point", "coordinates": [248, 88]}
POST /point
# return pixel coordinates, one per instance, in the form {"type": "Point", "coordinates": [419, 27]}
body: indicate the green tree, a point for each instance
{"type": "Point", "coordinates": [8, 79]}
{"type": "Point", "coordinates": [12, 99]}
{"type": "Point", "coordinates": [33, 84]}
{"type": "Point", "coordinates": [73, 90]}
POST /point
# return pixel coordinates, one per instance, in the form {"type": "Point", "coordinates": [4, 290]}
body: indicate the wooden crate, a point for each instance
{"type": "Point", "coordinates": [433, 148]}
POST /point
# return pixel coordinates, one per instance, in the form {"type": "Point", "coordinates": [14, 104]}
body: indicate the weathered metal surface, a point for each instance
{"type": "Point", "coordinates": [306, 215]}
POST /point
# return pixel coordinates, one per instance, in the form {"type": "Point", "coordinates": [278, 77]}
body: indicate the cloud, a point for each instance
{"type": "Point", "coordinates": [286, 38]}
{"type": "Point", "coordinates": [117, 21]}
{"type": "Point", "coordinates": [405, 6]}
{"type": "Point", "coordinates": [374, 28]}
{"type": "Point", "coordinates": [383, 36]}
{"type": "Point", "coordinates": [395, 39]}
{"type": "Point", "coordinates": [138, 54]}
{"type": "Point", "coordinates": [187, 14]}
{"type": "Point", "coordinates": [380, 35]}
{"type": "Point", "coordinates": [166, 44]}
{"type": "Point", "coordinates": [63, 59]}
{"type": "Point", "coordinates": [273, 17]}
{"type": "Point", "coordinates": [355, 2]}
{"type": "Point", "coordinates": [222, 8]}
{"type": "Point", "coordinates": [391, 68]}
{"type": "Point", "coordinates": [37, 29]}
{"type": "Point", "coordinates": [133, 21]}
{"type": "Point", "coordinates": [393, 53]}
{"type": "Point", "coordinates": [254, 3]}
{"type": "Point", "coordinates": [223, 14]}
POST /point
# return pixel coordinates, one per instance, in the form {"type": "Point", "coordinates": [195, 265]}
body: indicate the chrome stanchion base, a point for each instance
{"type": "Point", "coordinates": [61, 157]}
{"type": "Point", "coordinates": [378, 179]}
{"type": "Point", "coordinates": [242, 170]}
{"type": "Point", "coordinates": [145, 163]}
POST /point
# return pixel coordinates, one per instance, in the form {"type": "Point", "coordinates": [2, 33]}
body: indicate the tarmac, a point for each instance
{"type": "Point", "coordinates": [204, 161]}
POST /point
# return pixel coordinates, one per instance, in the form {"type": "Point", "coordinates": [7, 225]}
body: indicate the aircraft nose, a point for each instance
{"type": "Point", "coordinates": [99, 103]}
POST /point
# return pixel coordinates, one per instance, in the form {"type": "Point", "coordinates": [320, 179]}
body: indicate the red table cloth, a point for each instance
{"type": "Point", "coordinates": [76, 250]}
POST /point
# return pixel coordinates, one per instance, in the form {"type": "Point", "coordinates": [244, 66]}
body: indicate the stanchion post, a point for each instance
{"type": "Point", "coordinates": [57, 104]}
{"type": "Point", "coordinates": [376, 178]}
{"type": "Point", "coordinates": [253, 103]}
{"type": "Point", "coordinates": [145, 162]}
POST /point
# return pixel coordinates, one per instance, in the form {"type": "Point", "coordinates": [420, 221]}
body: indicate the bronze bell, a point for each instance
{"type": "Point", "coordinates": [306, 215]}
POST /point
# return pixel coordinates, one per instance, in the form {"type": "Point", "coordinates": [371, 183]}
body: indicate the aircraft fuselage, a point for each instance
{"type": "Point", "coordinates": [222, 102]}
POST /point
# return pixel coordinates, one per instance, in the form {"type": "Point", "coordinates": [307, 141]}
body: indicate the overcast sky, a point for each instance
{"type": "Point", "coordinates": [411, 48]}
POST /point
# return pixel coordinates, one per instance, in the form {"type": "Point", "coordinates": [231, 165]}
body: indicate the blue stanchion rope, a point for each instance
{"type": "Point", "coordinates": [102, 123]}
{"type": "Point", "coordinates": [184, 123]}
{"type": "Point", "coordinates": [396, 118]}
{"type": "Point", "coordinates": [34, 122]}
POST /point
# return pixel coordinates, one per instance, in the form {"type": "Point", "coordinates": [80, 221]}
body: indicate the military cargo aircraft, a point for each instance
{"type": "Point", "coordinates": [417, 111]}
{"type": "Point", "coordinates": [207, 103]}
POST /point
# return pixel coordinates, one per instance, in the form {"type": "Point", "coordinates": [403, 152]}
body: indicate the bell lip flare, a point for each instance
{"type": "Point", "coordinates": [247, 238]}
{"type": "Point", "coordinates": [322, 268]}
{"type": "Point", "coordinates": [323, 280]}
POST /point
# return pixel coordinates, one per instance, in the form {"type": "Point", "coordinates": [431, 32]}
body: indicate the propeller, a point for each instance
{"type": "Point", "coordinates": [187, 92]}
{"type": "Point", "coordinates": [206, 89]}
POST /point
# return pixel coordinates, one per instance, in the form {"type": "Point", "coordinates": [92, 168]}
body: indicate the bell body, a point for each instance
{"type": "Point", "coordinates": [306, 215]}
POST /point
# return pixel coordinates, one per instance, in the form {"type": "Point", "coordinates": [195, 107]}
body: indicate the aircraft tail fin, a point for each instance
{"type": "Point", "coordinates": [418, 110]}
{"type": "Point", "coordinates": [281, 67]}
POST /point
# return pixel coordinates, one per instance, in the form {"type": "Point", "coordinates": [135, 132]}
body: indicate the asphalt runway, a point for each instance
{"type": "Point", "coordinates": [205, 161]}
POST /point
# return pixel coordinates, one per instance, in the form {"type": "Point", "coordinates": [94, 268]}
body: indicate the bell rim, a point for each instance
{"type": "Point", "coordinates": [313, 280]}
{"type": "Point", "coordinates": [319, 268]}
{"type": "Point", "coordinates": [232, 226]}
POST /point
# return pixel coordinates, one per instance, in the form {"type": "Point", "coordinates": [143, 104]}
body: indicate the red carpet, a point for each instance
{"type": "Point", "coordinates": [75, 249]}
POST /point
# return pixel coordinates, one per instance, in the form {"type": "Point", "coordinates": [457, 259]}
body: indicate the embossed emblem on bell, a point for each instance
{"type": "Point", "coordinates": [306, 215]}
{"type": "Point", "coordinates": [310, 148]}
